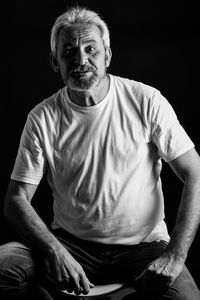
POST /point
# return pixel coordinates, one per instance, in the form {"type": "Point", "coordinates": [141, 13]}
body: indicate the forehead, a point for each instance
{"type": "Point", "coordinates": [80, 33]}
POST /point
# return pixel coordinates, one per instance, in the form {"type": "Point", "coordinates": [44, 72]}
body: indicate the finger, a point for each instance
{"type": "Point", "coordinates": [75, 283]}
{"type": "Point", "coordinates": [69, 285]}
{"type": "Point", "coordinates": [155, 282]}
{"type": "Point", "coordinates": [141, 275]}
{"type": "Point", "coordinates": [161, 272]}
{"type": "Point", "coordinates": [142, 281]}
{"type": "Point", "coordinates": [69, 288]}
{"type": "Point", "coordinates": [158, 268]}
{"type": "Point", "coordinates": [91, 285]}
{"type": "Point", "coordinates": [64, 285]}
{"type": "Point", "coordinates": [147, 280]}
{"type": "Point", "coordinates": [86, 285]}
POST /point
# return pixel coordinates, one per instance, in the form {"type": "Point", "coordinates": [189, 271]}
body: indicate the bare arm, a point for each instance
{"type": "Point", "coordinates": [187, 167]}
{"type": "Point", "coordinates": [20, 213]}
{"type": "Point", "coordinates": [66, 271]}
{"type": "Point", "coordinates": [170, 264]}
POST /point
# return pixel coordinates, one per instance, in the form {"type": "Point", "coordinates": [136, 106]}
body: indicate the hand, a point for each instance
{"type": "Point", "coordinates": [67, 272]}
{"type": "Point", "coordinates": [161, 273]}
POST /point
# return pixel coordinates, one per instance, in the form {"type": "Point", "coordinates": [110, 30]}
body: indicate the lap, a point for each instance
{"type": "Point", "coordinates": [102, 263]}
{"type": "Point", "coordinates": [120, 263]}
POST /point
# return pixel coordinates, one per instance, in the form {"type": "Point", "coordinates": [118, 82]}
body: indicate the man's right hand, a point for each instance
{"type": "Point", "coordinates": [66, 272]}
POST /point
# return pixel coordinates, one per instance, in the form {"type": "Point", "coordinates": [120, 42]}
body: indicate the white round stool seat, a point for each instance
{"type": "Point", "coordinates": [114, 291]}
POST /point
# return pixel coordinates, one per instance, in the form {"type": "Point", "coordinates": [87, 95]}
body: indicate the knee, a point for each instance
{"type": "Point", "coordinates": [184, 288]}
{"type": "Point", "coordinates": [15, 269]}
{"type": "Point", "coordinates": [185, 294]}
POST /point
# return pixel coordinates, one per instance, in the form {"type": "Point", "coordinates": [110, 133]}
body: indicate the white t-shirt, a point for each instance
{"type": "Point", "coordinates": [103, 162]}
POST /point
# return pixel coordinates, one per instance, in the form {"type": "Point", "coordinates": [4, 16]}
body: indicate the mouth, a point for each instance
{"type": "Point", "coordinates": [81, 73]}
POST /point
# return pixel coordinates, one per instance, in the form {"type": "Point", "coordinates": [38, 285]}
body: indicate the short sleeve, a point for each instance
{"type": "Point", "coordinates": [167, 133]}
{"type": "Point", "coordinates": [30, 162]}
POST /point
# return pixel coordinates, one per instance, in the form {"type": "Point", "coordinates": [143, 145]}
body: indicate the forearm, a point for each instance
{"type": "Point", "coordinates": [188, 219]}
{"type": "Point", "coordinates": [24, 219]}
{"type": "Point", "coordinates": [65, 271]}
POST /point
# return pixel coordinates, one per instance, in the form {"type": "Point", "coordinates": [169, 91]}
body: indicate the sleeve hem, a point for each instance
{"type": "Point", "coordinates": [25, 179]}
{"type": "Point", "coordinates": [179, 154]}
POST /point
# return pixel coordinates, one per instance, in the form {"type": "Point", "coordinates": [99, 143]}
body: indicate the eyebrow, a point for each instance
{"type": "Point", "coordinates": [84, 42]}
{"type": "Point", "coordinates": [89, 41]}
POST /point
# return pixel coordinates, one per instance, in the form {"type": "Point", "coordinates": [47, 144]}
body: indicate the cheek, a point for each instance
{"type": "Point", "coordinates": [100, 63]}
{"type": "Point", "coordinates": [103, 65]}
{"type": "Point", "coordinates": [63, 73]}
{"type": "Point", "coordinates": [64, 67]}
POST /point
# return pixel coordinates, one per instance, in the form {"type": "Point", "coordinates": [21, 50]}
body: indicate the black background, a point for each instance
{"type": "Point", "coordinates": [155, 42]}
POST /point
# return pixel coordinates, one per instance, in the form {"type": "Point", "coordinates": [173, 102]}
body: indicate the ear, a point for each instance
{"type": "Point", "coordinates": [108, 56]}
{"type": "Point", "coordinates": [54, 63]}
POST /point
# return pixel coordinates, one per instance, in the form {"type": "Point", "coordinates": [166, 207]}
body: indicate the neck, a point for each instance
{"type": "Point", "coordinates": [92, 96]}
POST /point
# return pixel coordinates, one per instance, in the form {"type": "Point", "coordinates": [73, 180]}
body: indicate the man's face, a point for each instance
{"type": "Point", "coordinates": [81, 56]}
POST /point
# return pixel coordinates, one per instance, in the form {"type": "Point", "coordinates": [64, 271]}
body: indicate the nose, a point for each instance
{"type": "Point", "coordinates": [81, 57]}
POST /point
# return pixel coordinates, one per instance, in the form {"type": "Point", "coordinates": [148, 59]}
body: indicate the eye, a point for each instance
{"type": "Point", "coordinates": [91, 49]}
{"type": "Point", "coordinates": [68, 52]}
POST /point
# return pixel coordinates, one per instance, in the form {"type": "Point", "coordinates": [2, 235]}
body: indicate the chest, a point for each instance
{"type": "Point", "coordinates": [114, 136]}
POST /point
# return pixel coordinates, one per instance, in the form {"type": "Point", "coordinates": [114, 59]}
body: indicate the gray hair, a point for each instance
{"type": "Point", "coordinates": [78, 15]}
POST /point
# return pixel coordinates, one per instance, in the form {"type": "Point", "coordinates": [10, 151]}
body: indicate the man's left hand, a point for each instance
{"type": "Point", "coordinates": [161, 273]}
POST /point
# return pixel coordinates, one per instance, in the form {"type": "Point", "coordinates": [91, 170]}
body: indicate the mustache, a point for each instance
{"type": "Point", "coordinates": [82, 69]}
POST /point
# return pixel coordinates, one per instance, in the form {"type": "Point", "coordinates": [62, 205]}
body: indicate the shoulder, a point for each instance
{"type": "Point", "coordinates": [49, 108]}
{"type": "Point", "coordinates": [140, 96]}
{"type": "Point", "coordinates": [136, 88]}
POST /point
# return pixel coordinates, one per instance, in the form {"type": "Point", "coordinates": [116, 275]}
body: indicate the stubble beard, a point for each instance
{"type": "Point", "coordinates": [84, 84]}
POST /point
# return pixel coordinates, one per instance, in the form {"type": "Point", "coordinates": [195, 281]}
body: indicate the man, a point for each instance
{"type": "Point", "coordinates": [101, 140]}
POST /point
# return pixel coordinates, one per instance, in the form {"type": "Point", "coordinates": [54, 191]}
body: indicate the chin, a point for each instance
{"type": "Point", "coordinates": [83, 84]}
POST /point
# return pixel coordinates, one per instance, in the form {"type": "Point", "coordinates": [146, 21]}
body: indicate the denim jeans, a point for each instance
{"type": "Point", "coordinates": [21, 268]}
